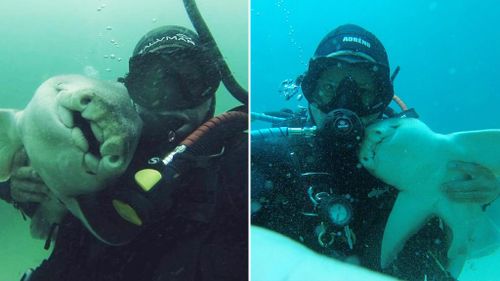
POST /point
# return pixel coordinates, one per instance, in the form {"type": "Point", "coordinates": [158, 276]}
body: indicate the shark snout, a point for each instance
{"type": "Point", "coordinates": [94, 130]}
{"type": "Point", "coordinates": [375, 135]}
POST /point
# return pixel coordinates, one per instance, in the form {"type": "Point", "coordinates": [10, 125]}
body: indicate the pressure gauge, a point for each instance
{"type": "Point", "coordinates": [336, 210]}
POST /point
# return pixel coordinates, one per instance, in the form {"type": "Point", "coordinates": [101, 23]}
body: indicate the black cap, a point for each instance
{"type": "Point", "coordinates": [169, 37]}
{"type": "Point", "coordinates": [352, 38]}
{"type": "Point", "coordinates": [185, 51]}
{"type": "Point", "coordinates": [354, 44]}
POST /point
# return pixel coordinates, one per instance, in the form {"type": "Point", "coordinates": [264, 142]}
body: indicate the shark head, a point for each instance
{"type": "Point", "coordinates": [79, 134]}
{"type": "Point", "coordinates": [386, 149]}
{"type": "Point", "coordinates": [408, 155]}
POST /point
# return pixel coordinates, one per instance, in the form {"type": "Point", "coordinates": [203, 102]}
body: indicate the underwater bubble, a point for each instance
{"type": "Point", "coordinates": [90, 71]}
{"type": "Point", "coordinates": [154, 20]}
{"type": "Point", "coordinates": [103, 6]}
{"type": "Point", "coordinates": [112, 56]}
{"type": "Point", "coordinates": [112, 41]}
{"type": "Point", "coordinates": [99, 9]}
{"type": "Point", "coordinates": [119, 59]}
{"type": "Point", "coordinates": [106, 56]}
{"type": "Point", "coordinates": [108, 69]}
{"type": "Point", "coordinates": [109, 27]}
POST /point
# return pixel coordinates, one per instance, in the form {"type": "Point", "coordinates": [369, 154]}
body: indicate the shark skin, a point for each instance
{"type": "Point", "coordinates": [278, 258]}
{"type": "Point", "coordinates": [408, 155]}
{"type": "Point", "coordinates": [79, 134]}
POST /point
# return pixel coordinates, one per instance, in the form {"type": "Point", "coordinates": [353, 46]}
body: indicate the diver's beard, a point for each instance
{"type": "Point", "coordinates": [175, 125]}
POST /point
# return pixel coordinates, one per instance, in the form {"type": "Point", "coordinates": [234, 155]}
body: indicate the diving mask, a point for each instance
{"type": "Point", "coordinates": [361, 86]}
{"type": "Point", "coordinates": [171, 80]}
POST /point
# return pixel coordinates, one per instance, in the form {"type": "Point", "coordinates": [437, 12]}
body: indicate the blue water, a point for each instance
{"type": "Point", "coordinates": [448, 52]}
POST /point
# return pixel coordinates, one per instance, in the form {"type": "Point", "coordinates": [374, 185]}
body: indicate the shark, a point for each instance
{"type": "Point", "coordinates": [79, 135]}
{"type": "Point", "coordinates": [277, 257]}
{"type": "Point", "coordinates": [407, 154]}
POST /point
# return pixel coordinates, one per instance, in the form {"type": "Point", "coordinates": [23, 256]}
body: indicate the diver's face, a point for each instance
{"type": "Point", "coordinates": [167, 81]}
{"type": "Point", "coordinates": [328, 90]}
{"type": "Point", "coordinates": [329, 86]}
{"type": "Point", "coordinates": [182, 122]}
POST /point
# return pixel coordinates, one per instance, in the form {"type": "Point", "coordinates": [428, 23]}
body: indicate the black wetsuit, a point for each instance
{"type": "Point", "coordinates": [288, 172]}
{"type": "Point", "coordinates": [205, 237]}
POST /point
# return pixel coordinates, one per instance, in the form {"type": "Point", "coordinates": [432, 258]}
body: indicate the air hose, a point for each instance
{"type": "Point", "coordinates": [236, 90]}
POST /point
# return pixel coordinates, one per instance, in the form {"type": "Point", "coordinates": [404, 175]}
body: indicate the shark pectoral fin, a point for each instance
{"type": "Point", "coordinates": [485, 238]}
{"type": "Point", "coordinates": [474, 233]}
{"type": "Point", "coordinates": [407, 216]}
{"type": "Point", "coordinates": [10, 141]}
{"type": "Point", "coordinates": [456, 265]}
{"type": "Point", "coordinates": [481, 147]}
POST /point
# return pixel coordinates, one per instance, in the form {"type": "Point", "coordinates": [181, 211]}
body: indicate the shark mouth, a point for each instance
{"type": "Point", "coordinates": [371, 152]}
{"type": "Point", "coordinates": [377, 138]}
{"type": "Point", "coordinates": [86, 128]}
{"type": "Point", "coordinates": [86, 135]}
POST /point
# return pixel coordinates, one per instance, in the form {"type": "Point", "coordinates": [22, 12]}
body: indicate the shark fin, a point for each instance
{"type": "Point", "coordinates": [479, 147]}
{"type": "Point", "coordinates": [456, 264]}
{"type": "Point", "coordinates": [400, 227]}
{"type": "Point", "coordinates": [10, 141]}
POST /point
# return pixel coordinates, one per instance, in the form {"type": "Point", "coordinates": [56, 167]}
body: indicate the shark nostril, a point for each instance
{"type": "Point", "coordinates": [85, 101]}
{"type": "Point", "coordinates": [378, 132]}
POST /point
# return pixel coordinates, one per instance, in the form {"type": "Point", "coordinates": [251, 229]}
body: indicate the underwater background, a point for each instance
{"type": "Point", "coordinates": [448, 51]}
{"type": "Point", "coordinates": [45, 38]}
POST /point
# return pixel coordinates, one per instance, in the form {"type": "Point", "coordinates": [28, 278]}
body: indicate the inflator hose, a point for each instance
{"type": "Point", "coordinates": [216, 130]}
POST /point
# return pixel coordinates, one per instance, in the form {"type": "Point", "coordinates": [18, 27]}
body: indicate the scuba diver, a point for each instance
{"type": "Point", "coordinates": [307, 182]}
{"type": "Point", "coordinates": [179, 212]}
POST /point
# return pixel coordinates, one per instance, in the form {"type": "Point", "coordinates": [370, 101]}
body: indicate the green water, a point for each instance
{"type": "Point", "coordinates": [45, 38]}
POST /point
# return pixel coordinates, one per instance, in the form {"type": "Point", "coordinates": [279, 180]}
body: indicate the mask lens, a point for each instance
{"type": "Point", "coordinates": [355, 86]}
{"type": "Point", "coordinates": [164, 82]}
{"type": "Point", "coordinates": [147, 81]}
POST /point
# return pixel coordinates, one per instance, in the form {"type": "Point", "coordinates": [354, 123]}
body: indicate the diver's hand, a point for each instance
{"type": "Point", "coordinates": [481, 186]}
{"type": "Point", "coordinates": [25, 183]}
